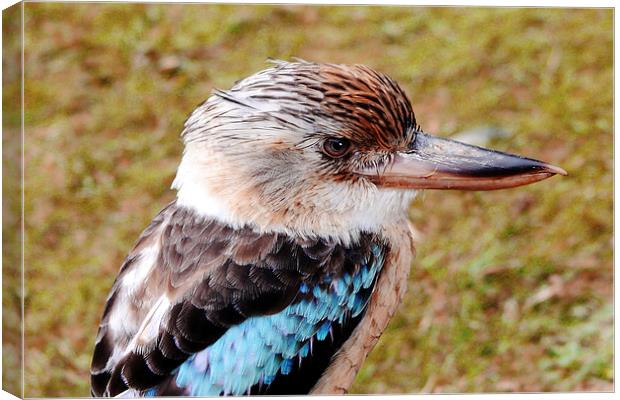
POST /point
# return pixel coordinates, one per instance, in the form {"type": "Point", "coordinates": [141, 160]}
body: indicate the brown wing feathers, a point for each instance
{"type": "Point", "coordinates": [220, 277]}
{"type": "Point", "coordinates": [105, 342]}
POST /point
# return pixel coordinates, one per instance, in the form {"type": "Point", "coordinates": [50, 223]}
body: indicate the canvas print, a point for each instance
{"type": "Point", "coordinates": [227, 200]}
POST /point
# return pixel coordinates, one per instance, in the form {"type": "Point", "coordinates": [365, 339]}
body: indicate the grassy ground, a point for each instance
{"type": "Point", "coordinates": [510, 291]}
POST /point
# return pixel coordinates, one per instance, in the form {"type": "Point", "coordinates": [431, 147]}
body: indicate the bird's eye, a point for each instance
{"type": "Point", "coordinates": [336, 147]}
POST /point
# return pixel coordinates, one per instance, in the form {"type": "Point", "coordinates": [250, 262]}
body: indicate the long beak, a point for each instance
{"type": "Point", "coordinates": [439, 163]}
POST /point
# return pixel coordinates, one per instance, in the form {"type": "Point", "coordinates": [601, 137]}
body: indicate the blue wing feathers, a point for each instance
{"type": "Point", "coordinates": [255, 351]}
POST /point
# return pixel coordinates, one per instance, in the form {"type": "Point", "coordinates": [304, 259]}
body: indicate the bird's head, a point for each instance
{"type": "Point", "coordinates": [324, 149]}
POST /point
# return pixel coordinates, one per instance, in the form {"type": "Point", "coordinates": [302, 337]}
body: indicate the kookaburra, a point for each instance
{"type": "Point", "coordinates": [287, 249]}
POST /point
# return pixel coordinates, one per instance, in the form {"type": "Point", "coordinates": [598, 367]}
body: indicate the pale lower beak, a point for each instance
{"type": "Point", "coordinates": [439, 163]}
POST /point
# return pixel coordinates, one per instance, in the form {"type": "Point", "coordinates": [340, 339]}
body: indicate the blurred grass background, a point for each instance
{"type": "Point", "coordinates": [510, 290]}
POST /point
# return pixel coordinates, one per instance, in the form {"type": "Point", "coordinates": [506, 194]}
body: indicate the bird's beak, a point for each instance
{"type": "Point", "coordinates": [439, 163]}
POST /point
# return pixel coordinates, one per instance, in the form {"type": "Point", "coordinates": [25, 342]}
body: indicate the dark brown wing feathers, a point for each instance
{"type": "Point", "coordinates": [219, 277]}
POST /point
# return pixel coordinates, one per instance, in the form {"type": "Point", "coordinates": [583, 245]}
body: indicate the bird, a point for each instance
{"type": "Point", "coordinates": [287, 248]}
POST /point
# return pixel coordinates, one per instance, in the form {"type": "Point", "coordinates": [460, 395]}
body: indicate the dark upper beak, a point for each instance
{"type": "Point", "coordinates": [439, 163]}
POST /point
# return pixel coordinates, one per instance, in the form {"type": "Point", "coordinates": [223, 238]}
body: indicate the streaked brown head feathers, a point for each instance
{"type": "Point", "coordinates": [372, 108]}
{"type": "Point", "coordinates": [365, 106]}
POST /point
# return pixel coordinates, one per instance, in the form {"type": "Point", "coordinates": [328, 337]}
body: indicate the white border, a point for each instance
{"type": "Point", "coordinates": [485, 3]}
